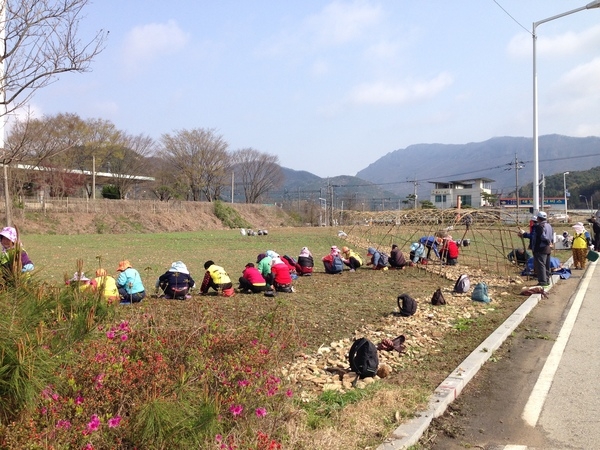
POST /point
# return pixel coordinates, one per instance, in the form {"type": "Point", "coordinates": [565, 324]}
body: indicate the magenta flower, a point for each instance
{"type": "Point", "coordinates": [88, 447]}
{"type": "Point", "coordinates": [243, 383]}
{"type": "Point", "coordinates": [64, 424]}
{"type": "Point", "coordinates": [289, 393]}
{"type": "Point", "coordinates": [218, 438]}
{"type": "Point", "coordinates": [78, 400]}
{"type": "Point", "coordinates": [261, 412]}
{"type": "Point", "coordinates": [94, 423]}
{"type": "Point", "coordinates": [236, 410]}
{"type": "Point", "coordinates": [123, 337]}
{"type": "Point", "coordinates": [124, 325]}
{"type": "Point", "coordinates": [110, 334]}
{"type": "Point", "coordinates": [114, 422]}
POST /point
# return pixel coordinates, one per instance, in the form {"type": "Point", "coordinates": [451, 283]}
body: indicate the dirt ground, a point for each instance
{"type": "Point", "coordinates": [123, 217]}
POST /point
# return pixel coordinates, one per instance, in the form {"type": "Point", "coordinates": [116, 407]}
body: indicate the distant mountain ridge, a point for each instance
{"type": "Point", "coordinates": [393, 176]}
{"type": "Point", "coordinates": [489, 159]}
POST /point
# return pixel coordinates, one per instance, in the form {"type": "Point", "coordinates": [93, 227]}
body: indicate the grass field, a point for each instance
{"type": "Point", "coordinates": [324, 308]}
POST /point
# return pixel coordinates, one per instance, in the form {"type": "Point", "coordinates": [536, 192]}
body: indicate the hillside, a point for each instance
{"type": "Point", "coordinates": [124, 216]}
{"type": "Point", "coordinates": [489, 159]}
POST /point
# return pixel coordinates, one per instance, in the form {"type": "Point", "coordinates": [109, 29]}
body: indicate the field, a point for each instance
{"type": "Point", "coordinates": [322, 317]}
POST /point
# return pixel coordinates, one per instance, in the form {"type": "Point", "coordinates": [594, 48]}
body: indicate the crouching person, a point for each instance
{"type": "Point", "coordinates": [129, 284]}
{"type": "Point", "coordinates": [351, 259]}
{"type": "Point", "coordinates": [305, 263]}
{"type": "Point", "coordinates": [216, 277]}
{"type": "Point", "coordinates": [333, 262]}
{"type": "Point", "coordinates": [281, 278]}
{"type": "Point", "coordinates": [252, 280]}
{"type": "Point", "coordinates": [176, 282]}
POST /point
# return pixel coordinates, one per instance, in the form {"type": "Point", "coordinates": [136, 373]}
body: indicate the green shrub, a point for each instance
{"type": "Point", "coordinates": [229, 216]}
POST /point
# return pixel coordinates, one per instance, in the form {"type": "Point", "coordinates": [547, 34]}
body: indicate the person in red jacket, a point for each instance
{"type": "Point", "coordinates": [449, 251]}
{"type": "Point", "coordinates": [252, 280]}
{"type": "Point", "coordinates": [282, 279]}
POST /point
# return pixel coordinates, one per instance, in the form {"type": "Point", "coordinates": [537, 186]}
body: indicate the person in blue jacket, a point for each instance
{"type": "Point", "coordinates": [431, 243]}
{"type": "Point", "coordinates": [129, 283]}
{"type": "Point", "coordinates": [378, 260]}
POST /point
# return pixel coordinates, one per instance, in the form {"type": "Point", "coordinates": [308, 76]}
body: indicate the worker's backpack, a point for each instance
{"type": "Point", "coordinates": [463, 284]}
{"type": "Point", "coordinates": [363, 358]}
{"type": "Point", "coordinates": [407, 305]}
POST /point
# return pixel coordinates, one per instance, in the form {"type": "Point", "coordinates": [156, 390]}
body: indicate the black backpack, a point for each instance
{"type": "Point", "coordinates": [407, 305]}
{"type": "Point", "coordinates": [363, 358]}
{"type": "Point", "coordinates": [438, 298]}
{"type": "Point", "coordinates": [463, 284]}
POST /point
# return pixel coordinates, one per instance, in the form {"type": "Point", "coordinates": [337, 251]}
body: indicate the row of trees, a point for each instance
{"type": "Point", "coordinates": [61, 151]}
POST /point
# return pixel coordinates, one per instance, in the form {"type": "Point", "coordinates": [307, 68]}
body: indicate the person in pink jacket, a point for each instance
{"type": "Point", "coordinates": [252, 280]}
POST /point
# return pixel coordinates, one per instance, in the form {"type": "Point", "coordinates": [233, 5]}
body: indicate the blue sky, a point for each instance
{"type": "Point", "coordinates": [331, 86]}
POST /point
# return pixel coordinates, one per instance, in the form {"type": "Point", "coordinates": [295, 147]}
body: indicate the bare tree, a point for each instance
{"type": "Point", "coordinates": [38, 41]}
{"type": "Point", "coordinates": [201, 160]}
{"type": "Point", "coordinates": [259, 173]}
{"type": "Point", "coordinates": [131, 161]}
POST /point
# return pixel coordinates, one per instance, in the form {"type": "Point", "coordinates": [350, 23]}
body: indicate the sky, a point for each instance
{"type": "Point", "coordinates": [331, 86]}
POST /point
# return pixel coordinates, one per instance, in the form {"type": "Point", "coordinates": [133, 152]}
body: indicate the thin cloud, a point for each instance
{"type": "Point", "coordinates": [563, 44]}
{"type": "Point", "coordinates": [147, 43]}
{"type": "Point", "coordinates": [338, 23]}
{"type": "Point", "coordinates": [342, 22]}
{"type": "Point", "coordinates": [380, 93]}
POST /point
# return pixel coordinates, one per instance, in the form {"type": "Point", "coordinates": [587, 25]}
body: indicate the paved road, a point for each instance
{"type": "Point", "coordinates": [542, 392]}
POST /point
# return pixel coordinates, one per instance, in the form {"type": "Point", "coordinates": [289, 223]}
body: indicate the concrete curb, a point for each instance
{"type": "Point", "coordinates": [410, 432]}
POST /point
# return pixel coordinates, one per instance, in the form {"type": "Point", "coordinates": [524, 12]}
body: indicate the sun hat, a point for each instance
{"type": "Point", "coordinates": [579, 227]}
{"type": "Point", "coordinates": [9, 233]}
{"type": "Point", "coordinates": [79, 276]}
{"type": "Point", "coordinates": [123, 265]}
{"type": "Point", "coordinates": [542, 215]}
{"type": "Point", "coordinates": [101, 273]}
{"type": "Point", "coordinates": [180, 267]}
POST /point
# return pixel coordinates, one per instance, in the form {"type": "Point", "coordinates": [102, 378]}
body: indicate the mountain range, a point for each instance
{"type": "Point", "coordinates": [397, 174]}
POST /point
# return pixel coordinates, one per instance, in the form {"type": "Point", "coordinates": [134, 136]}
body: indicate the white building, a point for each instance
{"type": "Point", "coordinates": [445, 194]}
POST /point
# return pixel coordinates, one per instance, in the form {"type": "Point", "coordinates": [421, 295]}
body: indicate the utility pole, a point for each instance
{"type": "Point", "coordinates": [517, 165]}
{"type": "Point", "coordinates": [543, 184]}
{"type": "Point", "coordinates": [415, 184]}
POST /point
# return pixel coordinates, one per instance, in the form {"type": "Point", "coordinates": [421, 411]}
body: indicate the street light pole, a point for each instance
{"type": "Point", "coordinates": [565, 188]}
{"type": "Point", "coordinates": [536, 165]}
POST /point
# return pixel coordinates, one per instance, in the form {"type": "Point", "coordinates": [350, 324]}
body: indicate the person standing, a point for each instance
{"type": "Point", "coordinates": [542, 238]}
{"type": "Point", "coordinates": [580, 246]}
{"type": "Point", "coordinates": [596, 228]}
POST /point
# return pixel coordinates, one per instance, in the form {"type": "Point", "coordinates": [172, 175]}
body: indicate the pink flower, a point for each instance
{"type": "Point", "coordinates": [110, 334]}
{"type": "Point", "coordinates": [78, 400]}
{"type": "Point", "coordinates": [254, 342]}
{"type": "Point", "coordinates": [65, 424]}
{"type": "Point", "coordinates": [94, 423]}
{"type": "Point", "coordinates": [261, 412]}
{"type": "Point", "coordinates": [114, 422]}
{"type": "Point", "coordinates": [218, 438]}
{"type": "Point", "coordinates": [289, 393]}
{"type": "Point", "coordinates": [123, 337]}
{"type": "Point", "coordinates": [243, 383]}
{"type": "Point", "coordinates": [124, 325]}
{"type": "Point", "coordinates": [88, 447]}
{"type": "Point", "coordinates": [236, 410]}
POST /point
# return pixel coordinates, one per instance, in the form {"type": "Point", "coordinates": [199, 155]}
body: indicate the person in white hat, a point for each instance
{"type": "Point", "coordinates": [581, 241]}
{"type": "Point", "coordinates": [176, 282]}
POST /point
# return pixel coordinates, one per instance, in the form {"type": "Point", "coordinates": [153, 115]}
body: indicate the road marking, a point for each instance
{"type": "Point", "coordinates": [533, 408]}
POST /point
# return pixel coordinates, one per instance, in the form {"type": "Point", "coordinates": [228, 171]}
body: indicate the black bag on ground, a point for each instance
{"type": "Point", "coordinates": [363, 358]}
{"type": "Point", "coordinates": [438, 298]}
{"type": "Point", "coordinates": [463, 284]}
{"type": "Point", "coordinates": [407, 305]}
